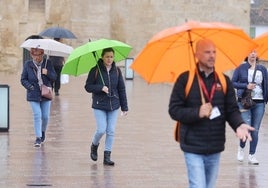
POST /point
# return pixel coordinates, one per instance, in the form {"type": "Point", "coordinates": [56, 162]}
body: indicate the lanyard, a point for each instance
{"type": "Point", "coordinates": [205, 90]}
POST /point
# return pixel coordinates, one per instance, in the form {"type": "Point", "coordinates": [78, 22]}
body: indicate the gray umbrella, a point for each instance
{"type": "Point", "coordinates": [57, 32]}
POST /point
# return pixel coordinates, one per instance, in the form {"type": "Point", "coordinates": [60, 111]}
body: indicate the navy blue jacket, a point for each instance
{"type": "Point", "coordinates": [114, 81]}
{"type": "Point", "coordinates": [202, 135]}
{"type": "Point", "coordinates": [30, 81]}
{"type": "Point", "coordinates": [240, 79]}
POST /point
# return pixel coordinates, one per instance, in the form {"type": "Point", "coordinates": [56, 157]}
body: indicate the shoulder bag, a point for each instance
{"type": "Point", "coordinates": [246, 100]}
{"type": "Point", "coordinates": [45, 90]}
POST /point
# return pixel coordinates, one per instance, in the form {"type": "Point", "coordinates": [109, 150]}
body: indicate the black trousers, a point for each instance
{"type": "Point", "coordinates": [56, 84]}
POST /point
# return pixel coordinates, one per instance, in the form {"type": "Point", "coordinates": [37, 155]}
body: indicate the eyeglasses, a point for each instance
{"type": "Point", "coordinates": [37, 52]}
{"type": "Point", "coordinates": [37, 55]}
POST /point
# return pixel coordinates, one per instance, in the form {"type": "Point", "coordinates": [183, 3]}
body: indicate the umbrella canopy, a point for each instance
{"type": "Point", "coordinates": [26, 53]}
{"type": "Point", "coordinates": [57, 32]}
{"type": "Point", "coordinates": [50, 47]}
{"type": "Point", "coordinates": [171, 51]}
{"type": "Point", "coordinates": [85, 57]}
{"type": "Point", "coordinates": [262, 49]}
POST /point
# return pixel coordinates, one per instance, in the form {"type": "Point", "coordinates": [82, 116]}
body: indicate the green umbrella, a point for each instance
{"type": "Point", "coordinates": [85, 57]}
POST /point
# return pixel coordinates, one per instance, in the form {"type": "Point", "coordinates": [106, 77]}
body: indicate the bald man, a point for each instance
{"type": "Point", "coordinates": [203, 123]}
{"type": "Point", "coordinates": [206, 54]}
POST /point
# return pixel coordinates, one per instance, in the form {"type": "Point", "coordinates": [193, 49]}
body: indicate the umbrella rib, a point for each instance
{"type": "Point", "coordinates": [168, 47]}
{"type": "Point", "coordinates": [215, 33]}
{"type": "Point", "coordinates": [76, 71]}
{"type": "Point", "coordinates": [164, 56]}
{"type": "Point", "coordinates": [156, 67]}
{"type": "Point", "coordinates": [84, 59]}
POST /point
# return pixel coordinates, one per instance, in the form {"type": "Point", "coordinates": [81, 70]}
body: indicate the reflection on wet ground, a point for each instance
{"type": "Point", "coordinates": [144, 150]}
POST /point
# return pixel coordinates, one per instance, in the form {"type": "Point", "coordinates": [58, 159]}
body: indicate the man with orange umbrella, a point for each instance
{"type": "Point", "coordinates": [202, 131]}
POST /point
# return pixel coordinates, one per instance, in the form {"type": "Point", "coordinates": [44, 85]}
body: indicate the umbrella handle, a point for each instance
{"type": "Point", "coordinates": [201, 91]}
{"type": "Point", "coordinates": [46, 61]}
{"type": "Point", "coordinates": [47, 57]}
{"type": "Point", "coordinates": [198, 77]}
{"type": "Point", "coordinates": [102, 80]}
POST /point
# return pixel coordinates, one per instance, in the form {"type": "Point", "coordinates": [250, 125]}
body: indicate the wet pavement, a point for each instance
{"type": "Point", "coordinates": [144, 152]}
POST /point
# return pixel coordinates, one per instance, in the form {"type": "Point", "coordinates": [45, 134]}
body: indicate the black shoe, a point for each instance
{"type": "Point", "coordinates": [57, 93]}
{"type": "Point", "coordinates": [37, 142]}
{"type": "Point", "coordinates": [43, 136]}
{"type": "Point", "coordinates": [94, 152]}
{"type": "Point", "coordinates": [106, 159]}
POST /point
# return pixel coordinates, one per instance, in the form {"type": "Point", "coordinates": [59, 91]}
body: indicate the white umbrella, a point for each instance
{"type": "Point", "coordinates": [50, 47]}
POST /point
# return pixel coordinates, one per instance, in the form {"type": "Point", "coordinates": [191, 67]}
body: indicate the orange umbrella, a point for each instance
{"type": "Point", "coordinates": [262, 49]}
{"type": "Point", "coordinates": [171, 51]}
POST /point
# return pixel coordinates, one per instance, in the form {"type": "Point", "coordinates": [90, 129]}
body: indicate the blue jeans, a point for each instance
{"type": "Point", "coordinates": [41, 112]}
{"type": "Point", "coordinates": [202, 169]}
{"type": "Point", "coordinates": [253, 117]}
{"type": "Point", "coordinates": [106, 123]}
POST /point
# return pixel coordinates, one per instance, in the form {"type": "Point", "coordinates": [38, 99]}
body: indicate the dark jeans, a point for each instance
{"type": "Point", "coordinates": [254, 118]}
{"type": "Point", "coordinates": [56, 84]}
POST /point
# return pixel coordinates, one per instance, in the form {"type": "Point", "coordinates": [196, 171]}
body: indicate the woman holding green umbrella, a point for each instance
{"type": "Point", "coordinates": [106, 83]}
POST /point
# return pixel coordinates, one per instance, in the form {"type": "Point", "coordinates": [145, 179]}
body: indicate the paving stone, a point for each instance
{"type": "Point", "coordinates": [144, 150]}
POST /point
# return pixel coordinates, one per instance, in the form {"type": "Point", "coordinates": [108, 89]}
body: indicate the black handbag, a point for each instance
{"type": "Point", "coordinates": [246, 100]}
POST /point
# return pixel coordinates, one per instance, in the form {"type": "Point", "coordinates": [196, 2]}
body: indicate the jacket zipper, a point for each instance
{"type": "Point", "coordinates": [110, 87]}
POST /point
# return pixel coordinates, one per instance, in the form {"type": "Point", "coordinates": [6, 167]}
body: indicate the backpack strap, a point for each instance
{"type": "Point", "coordinates": [222, 81]}
{"type": "Point", "coordinates": [189, 82]}
{"type": "Point", "coordinates": [191, 79]}
{"type": "Point", "coordinates": [96, 73]}
{"type": "Point", "coordinates": [117, 70]}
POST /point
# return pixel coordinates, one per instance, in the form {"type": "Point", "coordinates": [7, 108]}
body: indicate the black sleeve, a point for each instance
{"type": "Point", "coordinates": [233, 114]}
{"type": "Point", "coordinates": [179, 109]}
{"type": "Point", "coordinates": [92, 85]}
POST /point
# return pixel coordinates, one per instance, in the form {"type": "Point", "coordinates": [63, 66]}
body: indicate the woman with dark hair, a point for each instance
{"type": "Point", "coordinates": [251, 75]}
{"type": "Point", "coordinates": [106, 83]}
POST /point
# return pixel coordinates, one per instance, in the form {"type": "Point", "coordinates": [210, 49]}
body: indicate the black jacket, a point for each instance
{"type": "Point", "coordinates": [57, 61]}
{"type": "Point", "coordinates": [202, 135]}
{"type": "Point", "coordinates": [114, 81]}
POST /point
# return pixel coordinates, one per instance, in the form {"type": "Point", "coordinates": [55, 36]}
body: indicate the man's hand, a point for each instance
{"type": "Point", "coordinates": [243, 132]}
{"type": "Point", "coordinates": [205, 110]}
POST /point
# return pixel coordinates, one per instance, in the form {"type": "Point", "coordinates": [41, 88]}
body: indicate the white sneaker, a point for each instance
{"type": "Point", "coordinates": [240, 154]}
{"type": "Point", "coordinates": [252, 160]}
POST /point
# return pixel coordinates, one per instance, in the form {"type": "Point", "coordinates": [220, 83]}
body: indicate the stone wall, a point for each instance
{"type": "Point", "coordinates": [130, 21]}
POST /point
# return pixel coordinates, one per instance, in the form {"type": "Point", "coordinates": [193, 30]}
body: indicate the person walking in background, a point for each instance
{"type": "Point", "coordinates": [242, 80]}
{"type": "Point", "coordinates": [58, 63]}
{"type": "Point", "coordinates": [36, 72]}
{"type": "Point", "coordinates": [202, 130]}
{"type": "Point", "coordinates": [106, 83]}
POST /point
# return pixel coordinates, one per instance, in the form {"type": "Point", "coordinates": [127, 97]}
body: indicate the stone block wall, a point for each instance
{"type": "Point", "coordinates": [130, 21]}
